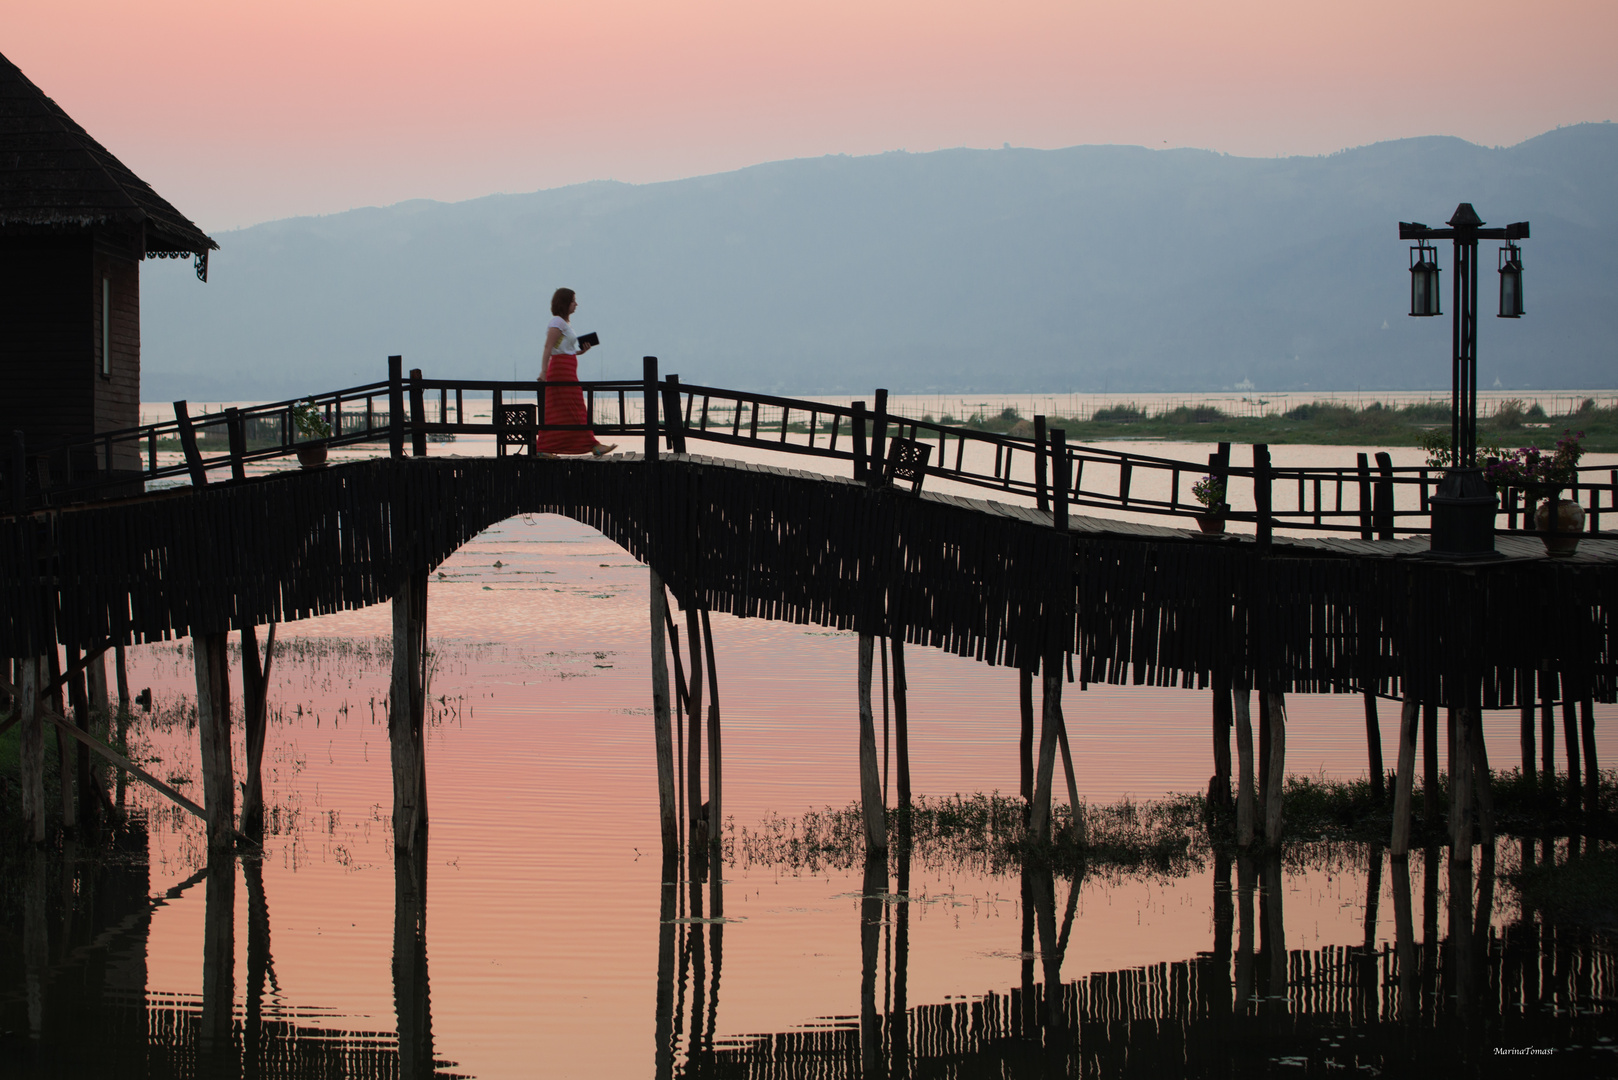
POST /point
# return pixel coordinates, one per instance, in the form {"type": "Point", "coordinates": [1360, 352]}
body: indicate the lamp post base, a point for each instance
{"type": "Point", "coordinates": [1463, 516]}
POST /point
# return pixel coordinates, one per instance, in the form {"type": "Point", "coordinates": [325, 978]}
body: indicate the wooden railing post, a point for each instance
{"type": "Point", "coordinates": [1261, 491]}
{"type": "Point", "coordinates": [1219, 467]}
{"type": "Point", "coordinates": [879, 432]}
{"type": "Point", "coordinates": [675, 422]}
{"type": "Point", "coordinates": [1041, 473]}
{"type": "Point", "coordinates": [861, 462]}
{"type": "Point", "coordinates": [649, 385]}
{"type": "Point", "coordinates": [395, 407]}
{"type": "Point", "coordinates": [418, 416]}
{"type": "Point", "coordinates": [188, 443]}
{"type": "Point", "coordinates": [1383, 499]}
{"type": "Point", "coordinates": [1060, 473]}
{"type": "Point", "coordinates": [237, 431]}
{"type": "Point", "coordinates": [1367, 513]}
{"type": "Point", "coordinates": [498, 404]}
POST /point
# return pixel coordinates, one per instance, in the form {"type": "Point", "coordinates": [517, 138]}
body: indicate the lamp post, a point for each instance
{"type": "Point", "coordinates": [1463, 506]}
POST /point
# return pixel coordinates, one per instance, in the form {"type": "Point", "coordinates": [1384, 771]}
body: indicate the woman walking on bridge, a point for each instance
{"type": "Point", "coordinates": [559, 363]}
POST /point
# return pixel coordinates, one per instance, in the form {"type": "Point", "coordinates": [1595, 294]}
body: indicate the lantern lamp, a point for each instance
{"type": "Point", "coordinates": [1424, 290]}
{"type": "Point", "coordinates": [1511, 282]}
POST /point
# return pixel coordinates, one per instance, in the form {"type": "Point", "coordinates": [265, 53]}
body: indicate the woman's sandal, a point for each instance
{"type": "Point", "coordinates": [602, 449]}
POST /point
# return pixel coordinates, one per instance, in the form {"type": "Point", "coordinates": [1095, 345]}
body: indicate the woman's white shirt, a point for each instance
{"type": "Point", "coordinates": [569, 345]}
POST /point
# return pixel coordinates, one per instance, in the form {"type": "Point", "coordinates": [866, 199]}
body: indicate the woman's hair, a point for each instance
{"type": "Point", "coordinates": [561, 300]}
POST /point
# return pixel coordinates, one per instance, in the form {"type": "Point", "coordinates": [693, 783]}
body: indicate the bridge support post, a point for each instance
{"type": "Point", "coordinates": [662, 733]}
{"type": "Point", "coordinates": [901, 721]}
{"type": "Point", "coordinates": [1429, 764]}
{"type": "Point", "coordinates": [716, 771]}
{"type": "Point", "coordinates": [32, 749]}
{"type": "Point", "coordinates": [876, 825]}
{"type": "Point", "coordinates": [1039, 822]}
{"type": "Point", "coordinates": [407, 709]}
{"type": "Point", "coordinates": [1242, 709]}
{"type": "Point", "coordinates": [212, 663]}
{"type": "Point", "coordinates": [255, 706]}
{"type": "Point", "coordinates": [693, 708]}
{"type": "Point", "coordinates": [65, 766]}
{"type": "Point", "coordinates": [1025, 700]}
{"type": "Point", "coordinates": [1278, 769]}
{"type": "Point", "coordinates": [1405, 779]}
{"type": "Point", "coordinates": [1223, 719]}
{"type": "Point", "coordinates": [1461, 790]}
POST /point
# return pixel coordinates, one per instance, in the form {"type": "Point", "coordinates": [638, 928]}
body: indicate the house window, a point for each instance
{"type": "Point", "coordinates": [106, 327]}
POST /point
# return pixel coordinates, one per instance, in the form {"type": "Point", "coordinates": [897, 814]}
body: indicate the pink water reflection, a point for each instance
{"type": "Point", "coordinates": [542, 917]}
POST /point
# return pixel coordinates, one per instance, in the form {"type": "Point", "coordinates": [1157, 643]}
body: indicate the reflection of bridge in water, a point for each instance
{"type": "Point", "coordinates": [1438, 1002]}
{"type": "Point", "coordinates": [1432, 998]}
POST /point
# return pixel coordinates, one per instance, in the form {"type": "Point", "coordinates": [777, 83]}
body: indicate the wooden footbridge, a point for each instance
{"type": "Point", "coordinates": [98, 553]}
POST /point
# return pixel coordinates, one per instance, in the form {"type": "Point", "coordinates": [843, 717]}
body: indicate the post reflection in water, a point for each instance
{"type": "Point", "coordinates": [411, 1000]}
{"type": "Point", "coordinates": [873, 905]}
{"type": "Point", "coordinates": [215, 1042]}
{"type": "Point", "coordinates": [690, 951]}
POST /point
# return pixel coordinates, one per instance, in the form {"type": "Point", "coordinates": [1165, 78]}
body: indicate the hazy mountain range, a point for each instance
{"type": "Point", "coordinates": [1095, 268]}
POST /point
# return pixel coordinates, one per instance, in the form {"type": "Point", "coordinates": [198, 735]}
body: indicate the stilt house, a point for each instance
{"type": "Point", "coordinates": [75, 224]}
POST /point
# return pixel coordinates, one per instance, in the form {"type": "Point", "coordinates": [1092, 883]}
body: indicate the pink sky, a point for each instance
{"type": "Point", "coordinates": [245, 111]}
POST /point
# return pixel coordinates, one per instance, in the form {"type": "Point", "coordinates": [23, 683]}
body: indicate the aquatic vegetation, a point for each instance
{"type": "Point", "coordinates": [987, 833]}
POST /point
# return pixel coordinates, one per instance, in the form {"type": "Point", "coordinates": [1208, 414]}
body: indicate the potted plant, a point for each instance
{"type": "Point", "coordinates": [311, 426]}
{"type": "Point", "coordinates": [1542, 476]}
{"type": "Point", "coordinates": [1210, 492]}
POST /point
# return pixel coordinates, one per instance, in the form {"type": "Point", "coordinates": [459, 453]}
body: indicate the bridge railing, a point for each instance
{"type": "Point", "coordinates": [1367, 500]}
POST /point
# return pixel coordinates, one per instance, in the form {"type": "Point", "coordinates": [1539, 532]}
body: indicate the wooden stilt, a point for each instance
{"type": "Point", "coordinates": [887, 720]}
{"type": "Point", "coordinates": [682, 698]}
{"type": "Point", "coordinates": [1482, 778]}
{"type": "Point", "coordinates": [121, 670]}
{"type": "Point", "coordinates": [1373, 746]}
{"type": "Point", "coordinates": [78, 693]}
{"type": "Point", "coordinates": [1246, 812]}
{"type": "Point", "coordinates": [1592, 775]}
{"type": "Point", "coordinates": [1025, 697]}
{"type": "Point", "coordinates": [1525, 704]}
{"type": "Point", "coordinates": [1429, 765]}
{"type": "Point", "coordinates": [1404, 779]}
{"type": "Point", "coordinates": [1039, 822]}
{"type": "Point", "coordinates": [716, 786]}
{"type": "Point", "coordinates": [66, 766]}
{"type": "Point", "coordinates": [100, 700]}
{"type": "Point", "coordinates": [1223, 718]}
{"type": "Point", "coordinates": [1263, 762]}
{"type": "Point", "coordinates": [876, 826]}
{"type": "Point", "coordinates": [32, 747]}
{"type": "Point", "coordinates": [1547, 735]}
{"type": "Point", "coordinates": [1074, 806]}
{"type": "Point", "coordinates": [1273, 817]}
{"type": "Point", "coordinates": [212, 663]}
{"type": "Point", "coordinates": [901, 721]}
{"type": "Point", "coordinates": [693, 757]}
{"type": "Point", "coordinates": [662, 736]}
{"type": "Point", "coordinates": [1570, 737]}
{"type": "Point", "coordinates": [255, 716]}
{"type": "Point", "coordinates": [407, 710]}
{"type": "Point", "coordinates": [1461, 791]}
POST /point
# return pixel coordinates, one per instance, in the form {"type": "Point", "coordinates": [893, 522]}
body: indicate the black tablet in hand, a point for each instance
{"type": "Point", "coordinates": [592, 339]}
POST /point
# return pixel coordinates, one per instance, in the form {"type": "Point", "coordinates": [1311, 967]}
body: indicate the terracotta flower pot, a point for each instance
{"type": "Point", "coordinates": [1212, 521]}
{"type": "Point", "coordinates": [312, 455]}
{"type": "Point", "coordinates": [1561, 537]}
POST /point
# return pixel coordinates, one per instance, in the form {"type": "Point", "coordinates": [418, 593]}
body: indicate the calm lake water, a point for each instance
{"type": "Point", "coordinates": [540, 934]}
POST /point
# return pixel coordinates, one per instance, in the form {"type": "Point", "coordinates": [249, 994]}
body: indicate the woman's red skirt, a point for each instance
{"type": "Point", "coordinates": [565, 405]}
